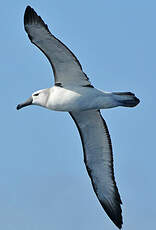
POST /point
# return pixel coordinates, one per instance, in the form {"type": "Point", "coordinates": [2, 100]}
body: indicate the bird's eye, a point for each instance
{"type": "Point", "coordinates": [36, 94]}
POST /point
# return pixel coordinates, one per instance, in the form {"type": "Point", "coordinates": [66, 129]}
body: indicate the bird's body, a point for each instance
{"type": "Point", "coordinates": [76, 99]}
{"type": "Point", "coordinates": [74, 93]}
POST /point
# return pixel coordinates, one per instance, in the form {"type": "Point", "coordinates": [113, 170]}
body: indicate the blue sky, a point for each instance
{"type": "Point", "coordinates": [43, 181]}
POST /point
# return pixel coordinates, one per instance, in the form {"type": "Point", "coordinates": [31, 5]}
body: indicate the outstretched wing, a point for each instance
{"type": "Point", "coordinates": [66, 67]}
{"type": "Point", "coordinates": [98, 159]}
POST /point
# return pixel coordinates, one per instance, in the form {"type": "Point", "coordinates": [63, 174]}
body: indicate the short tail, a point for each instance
{"type": "Point", "coordinates": [126, 99]}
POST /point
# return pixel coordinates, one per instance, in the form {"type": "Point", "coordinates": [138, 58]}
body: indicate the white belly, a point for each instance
{"type": "Point", "coordinates": [78, 99]}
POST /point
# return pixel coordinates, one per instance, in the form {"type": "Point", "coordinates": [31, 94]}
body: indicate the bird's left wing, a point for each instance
{"type": "Point", "coordinates": [66, 67]}
{"type": "Point", "coordinates": [98, 159]}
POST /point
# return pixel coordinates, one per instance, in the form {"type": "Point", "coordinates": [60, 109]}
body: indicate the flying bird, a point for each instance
{"type": "Point", "coordinates": [74, 93]}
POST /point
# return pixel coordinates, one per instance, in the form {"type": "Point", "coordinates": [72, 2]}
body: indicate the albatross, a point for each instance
{"type": "Point", "coordinates": [74, 93]}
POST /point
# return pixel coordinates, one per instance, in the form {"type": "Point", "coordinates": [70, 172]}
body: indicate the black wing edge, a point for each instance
{"type": "Point", "coordinates": [31, 17]}
{"type": "Point", "coordinates": [115, 217]}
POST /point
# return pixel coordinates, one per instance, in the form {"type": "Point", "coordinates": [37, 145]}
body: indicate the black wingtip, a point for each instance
{"type": "Point", "coordinates": [28, 8]}
{"type": "Point", "coordinates": [26, 14]}
{"type": "Point", "coordinates": [29, 15]}
{"type": "Point", "coordinates": [114, 215]}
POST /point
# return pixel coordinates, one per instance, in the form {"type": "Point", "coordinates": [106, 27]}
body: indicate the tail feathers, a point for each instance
{"type": "Point", "coordinates": [126, 99]}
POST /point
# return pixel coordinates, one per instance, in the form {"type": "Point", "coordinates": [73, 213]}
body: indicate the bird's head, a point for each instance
{"type": "Point", "coordinates": [39, 97]}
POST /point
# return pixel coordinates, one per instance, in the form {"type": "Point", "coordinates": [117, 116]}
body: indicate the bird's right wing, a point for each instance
{"type": "Point", "coordinates": [98, 159]}
{"type": "Point", "coordinates": [66, 67]}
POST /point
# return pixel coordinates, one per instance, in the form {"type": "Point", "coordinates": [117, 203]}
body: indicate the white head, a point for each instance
{"type": "Point", "coordinates": [39, 97]}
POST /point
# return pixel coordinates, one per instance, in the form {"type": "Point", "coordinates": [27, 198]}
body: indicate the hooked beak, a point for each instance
{"type": "Point", "coordinates": [26, 103]}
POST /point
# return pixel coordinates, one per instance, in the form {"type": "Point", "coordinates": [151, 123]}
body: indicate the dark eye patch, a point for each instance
{"type": "Point", "coordinates": [36, 94]}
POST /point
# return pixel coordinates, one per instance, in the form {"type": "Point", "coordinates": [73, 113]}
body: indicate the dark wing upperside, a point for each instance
{"type": "Point", "coordinates": [66, 67]}
{"type": "Point", "coordinates": [98, 159]}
